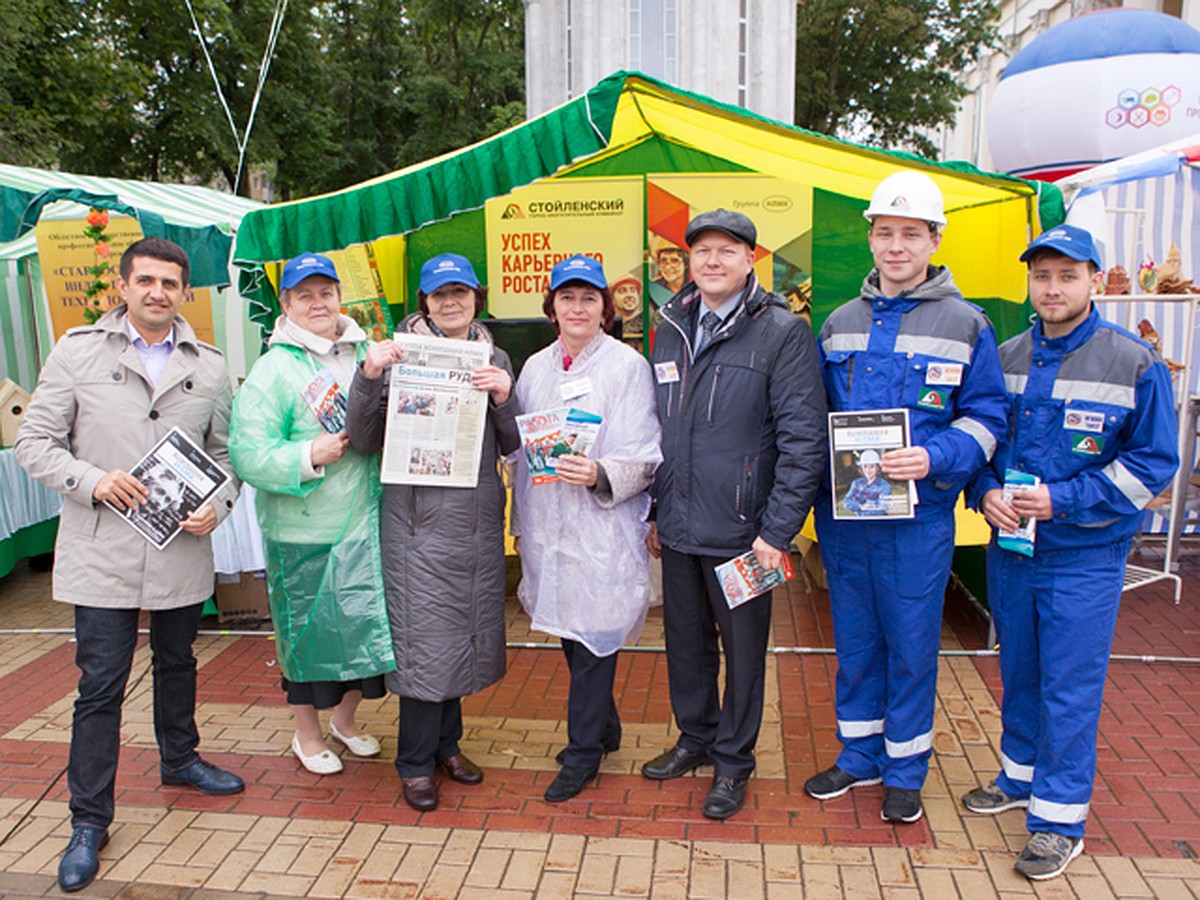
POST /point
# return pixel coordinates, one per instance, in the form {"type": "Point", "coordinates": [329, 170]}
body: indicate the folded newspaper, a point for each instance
{"type": "Point", "coordinates": [181, 478]}
{"type": "Point", "coordinates": [555, 432]}
{"type": "Point", "coordinates": [743, 578]}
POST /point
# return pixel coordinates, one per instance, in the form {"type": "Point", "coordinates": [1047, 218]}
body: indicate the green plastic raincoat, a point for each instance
{"type": "Point", "coordinates": [320, 527]}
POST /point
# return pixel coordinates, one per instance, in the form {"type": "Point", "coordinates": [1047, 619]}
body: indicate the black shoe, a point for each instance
{"type": "Point", "coordinates": [80, 863]}
{"type": "Point", "coordinates": [608, 745]}
{"type": "Point", "coordinates": [203, 777]}
{"type": "Point", "coordinates": [673, 763]}
{"type": "Point", "coordinates": [461, 769]}
{"type": "Point", "coordinates": [725, 797]}
{"type": "Point", "coordinates": [901, 805]}
{"type": "Point", "coordinates": [834, 782]}
{"type": "Point", "coordinates": [420, 793]}
{"type": "Point", "coordinates": [568, 782]}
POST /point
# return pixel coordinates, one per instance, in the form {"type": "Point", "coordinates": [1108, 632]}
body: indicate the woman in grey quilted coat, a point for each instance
{"type": "Point", "coordinates": [443, 547]}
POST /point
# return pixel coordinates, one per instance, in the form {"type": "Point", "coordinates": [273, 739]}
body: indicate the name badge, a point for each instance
{"type": "Point", "coordinates": [944, 373]}
{"type": "Point", "coordinates": [666, 372]}
{"type": "Point", "coordinates": [577, 388]}
{"type": "Point", "coordinates": [1082, 420]}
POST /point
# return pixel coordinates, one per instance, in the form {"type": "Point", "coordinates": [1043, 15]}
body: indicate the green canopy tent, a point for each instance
{"type": "Point", "coordinates": [630, 124]}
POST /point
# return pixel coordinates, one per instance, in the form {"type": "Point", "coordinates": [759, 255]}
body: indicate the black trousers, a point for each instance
{"type": "Point", "coordinates": [694, 614]}
{"type": "Point", "coordinates": [592, 717]}
{"type": "Point", "coordinates": [429, 732]}
{"type": "Point", "coordinates": [105, 642]}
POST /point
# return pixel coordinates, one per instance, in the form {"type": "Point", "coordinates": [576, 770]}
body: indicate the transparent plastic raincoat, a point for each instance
{"type": "Point", "coordinates": [320, 535]}
{"type": "Point", "coordinates": [584, 564]}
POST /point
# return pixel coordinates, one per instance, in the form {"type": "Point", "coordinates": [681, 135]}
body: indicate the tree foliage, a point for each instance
{"type": "Point", "coordinates": [883, 71]}
{"type": "Point", "coordinates": [356, 87]}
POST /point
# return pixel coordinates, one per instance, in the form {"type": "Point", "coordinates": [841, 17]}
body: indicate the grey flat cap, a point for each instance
{"type": "Point", "coordinates": [734, 224]}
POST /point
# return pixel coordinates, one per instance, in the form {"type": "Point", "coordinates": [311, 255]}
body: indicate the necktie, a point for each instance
{"type": "Point", "coordinates": [708, 326]}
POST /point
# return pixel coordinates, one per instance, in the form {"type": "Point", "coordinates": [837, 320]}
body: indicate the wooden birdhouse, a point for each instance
{"type": "Point", "coordinates": [13, 401]}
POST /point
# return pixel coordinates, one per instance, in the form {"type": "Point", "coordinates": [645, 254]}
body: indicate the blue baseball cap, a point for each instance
{"type": "Point", "coordinates": [578, 268]}
{"type": "Point", "coordinates": [1069, 240]}
{"type": "Point", "coordinates": [447, 268]}
{"type": "Point", "coordinates": [304, 265]}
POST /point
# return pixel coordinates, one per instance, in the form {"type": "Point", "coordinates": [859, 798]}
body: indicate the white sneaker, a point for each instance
{"type": "Point", "coordinates": [359, 745]}
{"type": "Point", "coordinates": [323, 763]}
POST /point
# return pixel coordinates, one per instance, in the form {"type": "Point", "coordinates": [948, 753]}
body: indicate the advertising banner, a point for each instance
{"type": "Point", "coordinates": [535, 227]}
{"type": "Point", "coordinates": [66, 255]}
{"type": "Point", "coordinates": [781, 211]}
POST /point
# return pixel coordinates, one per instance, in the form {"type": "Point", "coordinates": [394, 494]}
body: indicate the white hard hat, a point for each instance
{"type": "Point", "coordinates": [910, 195]}
{"type": "Point", "coordinates": [868, 458]}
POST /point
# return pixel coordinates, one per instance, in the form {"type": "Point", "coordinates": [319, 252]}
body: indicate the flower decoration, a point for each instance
{"type": "Point", "coordinates": [97, 221]}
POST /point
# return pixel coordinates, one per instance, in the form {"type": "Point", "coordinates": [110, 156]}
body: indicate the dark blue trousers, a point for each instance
{"type": "Point", "coordinates": [429, 732]}
{"type": "Point", "coordinates": [694, 614]}
{"type": "Point", "coordinates": [105, 642]}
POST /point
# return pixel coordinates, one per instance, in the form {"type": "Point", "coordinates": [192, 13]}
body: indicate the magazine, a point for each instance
{"type": "Point", "coordinates": [325, 398]}
{"type": "Point", "coordinates": [553, 433]}
{"type": "Point", "coordinates": [181, 478]}
{"type": "Point", "coordinates": [857, 442]}
{"type": "Point", "coordinates": [1021, 540]}
{"type": "Point", "coordinates": [435, 415]}
{"type": "Point", "coordinates": [743, 578]}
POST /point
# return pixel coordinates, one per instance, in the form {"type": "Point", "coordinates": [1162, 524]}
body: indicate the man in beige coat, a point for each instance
{"type": "Point", "coordinates": [107, 394]}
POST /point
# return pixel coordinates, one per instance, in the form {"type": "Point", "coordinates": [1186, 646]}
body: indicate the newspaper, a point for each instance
{"type": "Point", "coordinates": [1022, 538]}
{"type": "Point", "coordinates": [180, 477]}
{"type": "Point", "coordinates": [857, 442]}
{"type": "Point", "coordinates": [743, 578]}
{"type": "Point", "coordinates": [553, 433]}
{"type": "Point", "coordinates": [435, 417]}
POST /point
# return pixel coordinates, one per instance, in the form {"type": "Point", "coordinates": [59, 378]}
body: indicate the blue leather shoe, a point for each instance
{"type": "Point", "coordinates": [204, 777]}
{"type": "Point", "coordinates": [80, 863]}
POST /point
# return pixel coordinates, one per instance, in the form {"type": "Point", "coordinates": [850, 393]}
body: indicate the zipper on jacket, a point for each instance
{"type": "Point", "coordinates": [412, 514]}
{"type": "Point", "coordinates": [712, 394]}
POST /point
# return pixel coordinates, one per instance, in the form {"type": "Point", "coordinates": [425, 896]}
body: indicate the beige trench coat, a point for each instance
{"type": "Point", "coordinates": [94, 410]}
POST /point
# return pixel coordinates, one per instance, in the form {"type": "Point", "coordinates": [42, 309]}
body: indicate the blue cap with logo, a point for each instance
{"type": "Point", "coordinates": [1069, 240]}
{"type": "Point", "coordinates": [578, 268]}
{"type": "Point", "coordinates": [447, 268]}
{"type": "Point", "coordinates": [303, 266]}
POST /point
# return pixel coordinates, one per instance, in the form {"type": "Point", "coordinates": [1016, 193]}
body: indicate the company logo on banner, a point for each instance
{"type": "Point", "coordinates": [781, 212]}
{"type": "Point", "coordinates": [536, 227]}
{"type": "Point", "coordinates": [66, 255]}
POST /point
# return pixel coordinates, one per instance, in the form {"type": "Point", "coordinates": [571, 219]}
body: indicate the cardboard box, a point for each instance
{"type": "Point", "coordinates": [242, 597]}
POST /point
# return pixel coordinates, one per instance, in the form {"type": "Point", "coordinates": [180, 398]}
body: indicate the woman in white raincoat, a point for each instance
{"type": "Point", "coordinates": [318, 506]}
{"type": "Point", "coordinates": [584, 564]}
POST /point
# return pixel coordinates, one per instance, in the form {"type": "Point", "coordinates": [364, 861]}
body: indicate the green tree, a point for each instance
{"type": "Point", "coordinates": [356, 88]}
{"type": "Point", "coordinates": [884, 71]}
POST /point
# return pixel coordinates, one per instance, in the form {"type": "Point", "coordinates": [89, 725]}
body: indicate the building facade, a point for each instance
{"type": "Point", "coordinates": [739, 51]}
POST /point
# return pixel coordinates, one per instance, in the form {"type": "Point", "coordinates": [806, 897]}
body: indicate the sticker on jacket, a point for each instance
{"type": "Point", "coordinates": [1082, 420]}
{"type": "Point", "coordinates": [666, 372]}
{"type": "Point", "coordinates": [932, 398]}
{"type": "Point", "coordinates": [1087, 445]}
{"type": "Point", "coordinates": [944, 373]}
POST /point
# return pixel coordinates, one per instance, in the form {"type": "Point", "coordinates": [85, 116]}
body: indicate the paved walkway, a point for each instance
{"type": "Point", "coordinates": [351, 835]}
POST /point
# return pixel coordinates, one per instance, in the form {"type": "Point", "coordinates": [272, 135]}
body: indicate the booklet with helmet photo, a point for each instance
{"type": "Point", "coordinates": [857, 444]}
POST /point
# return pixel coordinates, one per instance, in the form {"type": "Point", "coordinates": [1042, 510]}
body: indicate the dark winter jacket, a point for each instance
{"type": "Point", "coordinates": [744, 426]}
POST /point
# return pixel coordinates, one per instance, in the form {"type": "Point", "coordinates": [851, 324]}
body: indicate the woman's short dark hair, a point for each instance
{"type": "Point", "coordinates": [480, 300]}
{"type": "Point", "coordinates": [610, 309]}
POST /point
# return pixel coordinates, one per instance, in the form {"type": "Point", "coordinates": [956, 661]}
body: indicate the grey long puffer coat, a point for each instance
{"type": "Point", "coordinates": [443, 558]}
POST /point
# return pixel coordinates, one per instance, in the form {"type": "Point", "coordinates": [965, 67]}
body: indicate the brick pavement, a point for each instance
{"type": "Point", "coordinates": [294, 834]}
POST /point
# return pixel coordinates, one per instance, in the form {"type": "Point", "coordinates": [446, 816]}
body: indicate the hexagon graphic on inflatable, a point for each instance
{"type": "Point", "coordinates": [1095, 88]}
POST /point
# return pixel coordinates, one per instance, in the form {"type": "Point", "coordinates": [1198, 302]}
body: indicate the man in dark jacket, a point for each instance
{"type": "Point", "coordinates": [744, 450]}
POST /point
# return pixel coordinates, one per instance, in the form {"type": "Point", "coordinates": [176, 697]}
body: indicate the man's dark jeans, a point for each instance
{"type": "Point", "coordinates": [105, 642]}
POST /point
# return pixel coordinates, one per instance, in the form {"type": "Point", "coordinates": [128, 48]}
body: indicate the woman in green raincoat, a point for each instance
{"type": "Point", "coordinates": [318, 506]}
